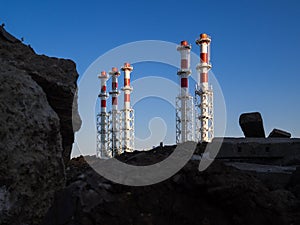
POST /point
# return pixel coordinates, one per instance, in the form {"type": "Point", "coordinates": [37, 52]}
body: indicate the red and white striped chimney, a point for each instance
{"type": "Point", "coordinates": [205, 66]}
{"type": "Point", "coordinates": [184, 134]}
{"type": "Point", "coordinates": [128, 126]}
{"type": "Point", "coordinates": [115, 73]}
{"type": "Point", "coordinates": [115, 115]}
{"type": "Point", "coordinates": [127, 68]}
{"type": "Point", "coordinates": [102, 119]}
{"type": "Point", "coordinates": [103, 93]}
{"type": "Point", "coordinates": [205, 91]}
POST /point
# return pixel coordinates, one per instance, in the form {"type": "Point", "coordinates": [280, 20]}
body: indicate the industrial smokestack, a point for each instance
{"type": "Point", "coordinates": [128, 112]}
{"type": "Point", "coordinates": [115, 122]}
{"type": "Point", "coordinates": [102, 120]}
{"type": "Point", "coordinates": [184, 102]}
{"type": "Point", "coordinates": [204, 92]}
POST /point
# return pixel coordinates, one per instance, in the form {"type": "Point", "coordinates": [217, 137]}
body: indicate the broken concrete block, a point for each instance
{"type": "Point", "coordinates": [276, 133]}
{"type": "Point", "coordinates": [252, 124]}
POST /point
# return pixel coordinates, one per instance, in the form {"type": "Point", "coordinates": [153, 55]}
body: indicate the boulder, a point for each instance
{"type": "Point", "coordinates": [38, 100]}
{"type": "Point", "coordinates": [56, 77]}
{"type": "Point", "coordinates": [31, 167]}
{"type": "Point", "coordinates": [276, 133]}
{"type": "Point", "coordinates": [252, 124]}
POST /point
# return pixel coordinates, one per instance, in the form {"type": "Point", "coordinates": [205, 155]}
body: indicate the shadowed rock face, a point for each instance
{"type": "Point", "coordinates": [31, 167]}
{"type": "Point", "coordinates": [57, 78]}
{"type": "Point", "coordinates": [220, 195]}
{"type": "Point", "coordinates": [36, 99]}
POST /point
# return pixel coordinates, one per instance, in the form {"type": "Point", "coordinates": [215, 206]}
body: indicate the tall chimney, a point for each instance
{"type": "Point", "coordinates": [102, 120]}
{"type": "Point", "coordinates": [204, 92]}
{"type": "Point", "coordinates": [128, 112]}
{"type": "Point", "coordinates": [184, 102]}
{"type": "Point", "coordinates": [115, 123]}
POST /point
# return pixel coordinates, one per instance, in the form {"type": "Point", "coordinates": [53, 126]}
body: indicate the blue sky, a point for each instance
{"type": "Point", "coordinates": [255, 45]}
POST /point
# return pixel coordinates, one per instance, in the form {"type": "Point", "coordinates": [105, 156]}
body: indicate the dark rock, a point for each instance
{"type": "Point", "coordinates": [252, 124]}
{"type": "Point", "coordinates": [7, 35]}
{"type": "Point", "coordinates": [31, 167]}
{"type": "Point", "coordinates": [276, 133]}
{"type": "Point", "coordinates": [37, 99]}
{"type": "Point", "coordinates": [287, 198]}
{"type": "Point", "coordinates": [57, 78]}
{"type": "Point", "coordinates": [294, 183]}
{"type": "Point", "coordinates": [220, 195]}
{"type": "Point", "coordinates": [66, 201]}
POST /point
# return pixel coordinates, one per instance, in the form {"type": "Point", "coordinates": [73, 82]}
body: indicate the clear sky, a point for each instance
{"type": "Point", "coordinates": [255, 45]}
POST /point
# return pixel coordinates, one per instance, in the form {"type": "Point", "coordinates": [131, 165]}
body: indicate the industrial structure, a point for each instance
{"type": "Point", "coordinates": [194, 115]}
{"type": "Point", "coordinates": [204, 93]}
{"type": "Point", "coordinates": [103, 120]}
{"type": "Point", "coordinates": [115, 121]}
{"type": "Point", "coordinates": [195, 123]}
{"type": "Point", "coordinates": [184, 101]}
{"type": "Point", "coordinates": [128, 112]}
{"type": "Point", "coordinates": [115, 129]}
